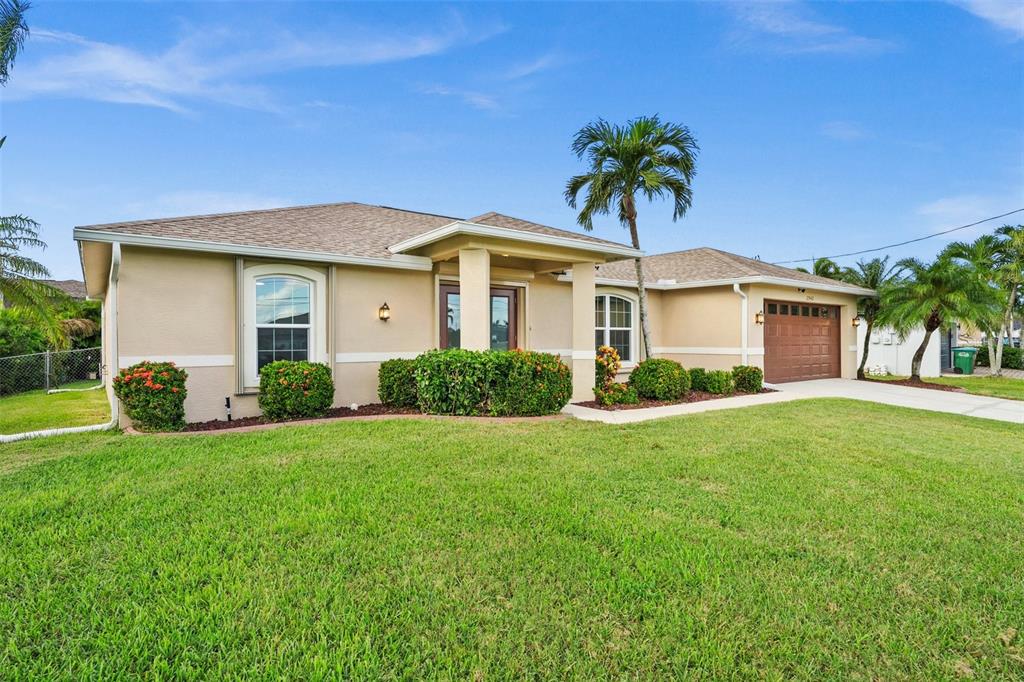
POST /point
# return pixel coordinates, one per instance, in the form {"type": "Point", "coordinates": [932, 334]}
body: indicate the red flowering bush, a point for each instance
{"type": "Point", "coordinates": [292, 388]}
{"type": "Point", "coordinates": [527, 383]}
{"type": "Point", "coordinates": [153, 395]}
{"type": "Point", "coordinates": [606, 366]}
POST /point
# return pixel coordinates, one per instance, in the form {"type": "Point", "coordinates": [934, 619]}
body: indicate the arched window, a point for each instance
{"type": "Point", "coordinates": [282, 319]}
{"type": "Point", "coordinates": [614, 324]}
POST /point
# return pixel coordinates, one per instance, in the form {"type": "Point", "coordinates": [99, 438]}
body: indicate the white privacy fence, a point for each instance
{"type": "Point", "coordinates": [50, 370]}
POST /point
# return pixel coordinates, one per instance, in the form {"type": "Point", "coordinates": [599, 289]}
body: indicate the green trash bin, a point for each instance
{"type": "Point", "coordinates": [963, 360]}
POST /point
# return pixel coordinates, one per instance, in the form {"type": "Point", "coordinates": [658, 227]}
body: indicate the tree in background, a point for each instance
{"type": "Point", "coordinates": [874, 274]}
{"type": "Point", "coordinates": [645, 157]}
{"type": "Point", "coordinates": [824, 267]}
{"type": "Point", "coordinates": [933, 295]}
{"type": "Point", "coordinates": [13, 31]}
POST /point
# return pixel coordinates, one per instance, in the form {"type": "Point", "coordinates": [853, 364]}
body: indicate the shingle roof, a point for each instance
{"type": "Point", "coordinates": [704, 265]}
{"type": "Point", "coordinates": [350, 229]}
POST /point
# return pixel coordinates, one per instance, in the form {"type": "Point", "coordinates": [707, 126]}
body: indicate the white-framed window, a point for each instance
{"type": "Point", "coordinates": [615, 326]}
{"type": "Point", "coordinates": [285, 316]}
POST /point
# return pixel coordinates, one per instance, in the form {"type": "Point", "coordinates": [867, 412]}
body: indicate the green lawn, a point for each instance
{"type": "Point", "coordinates": [825, 539]}
{"type": "Point", "coordinates": [39, 410]}
{"type": "Point", "coordinates": [998, 387]}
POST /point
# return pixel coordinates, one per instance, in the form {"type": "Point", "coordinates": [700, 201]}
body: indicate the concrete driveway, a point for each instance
{"type": "Point", "coordinates": [905, 396]}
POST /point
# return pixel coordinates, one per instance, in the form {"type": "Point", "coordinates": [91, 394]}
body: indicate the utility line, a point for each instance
{"type": "Point", "coordinates": [892, 246]}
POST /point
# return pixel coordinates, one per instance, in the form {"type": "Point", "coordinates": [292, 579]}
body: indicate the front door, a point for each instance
{"type": "Point", "coordinates": [504, 305]}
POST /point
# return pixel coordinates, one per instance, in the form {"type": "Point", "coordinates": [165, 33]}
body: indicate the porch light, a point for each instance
{"type": "Point", "coordinates": [384, 313]}
{"type": "Point", "coordinates": [759, 317]}
{"type": "Point", "coordinates": [855, 321]}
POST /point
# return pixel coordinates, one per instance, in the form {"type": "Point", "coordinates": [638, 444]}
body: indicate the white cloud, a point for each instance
{"type": "Point", "coordinates": [963, 209]}
{"type": "Point", "coordinates": [544, 62]}
{"type": "Point", "coordinates": [475, 99]}
{"type": "Point", "coordinates": [1007, 15]}
{"type": "Point", "coordinates": [217, 65]}
{"type": "Point", "coordinates": [201, 202]}
{"type": "Point", "coordinates": [846, 131]}
{"type": "Point", "coordinates": [791, 28]}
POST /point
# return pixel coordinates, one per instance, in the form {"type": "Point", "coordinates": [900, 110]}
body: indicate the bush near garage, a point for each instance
{"type": "Point", "coordinates": [698, 379]}
{"type": "Point", "coordinates": [660, 379]}
{"type": "Point", "coordinates": [1013, 358]}
{"type": "Point", "coordinates": [396, 383]}
{"type": "Point", "coordinates": [153, 395]}
{"type": "Point", "coordinates": [719, 382]}
{"type": "Point", "coordinates": [292, 389]}
{"type": "Point", "coordinates": [748, 379]}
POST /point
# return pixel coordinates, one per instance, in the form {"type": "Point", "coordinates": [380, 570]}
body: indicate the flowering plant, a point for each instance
{"type": "Point", "coordinates": [606, 366]}
{"type": "Point", "coordinates": [153, 395]}
{"type": "Point", "coordinates": [295, 388]}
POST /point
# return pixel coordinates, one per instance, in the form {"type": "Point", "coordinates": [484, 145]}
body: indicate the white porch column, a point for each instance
{"type": "Point", "coordinates": [475, 298]}
{"type": "Point", "coordinates": [583, 353]}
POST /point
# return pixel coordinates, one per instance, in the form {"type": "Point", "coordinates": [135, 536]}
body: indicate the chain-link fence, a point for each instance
{"type": "Point", "coordinates": [47, 371]}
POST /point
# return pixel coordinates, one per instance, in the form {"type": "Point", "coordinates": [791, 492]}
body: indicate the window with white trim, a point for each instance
{"type": "Point", "coordinates": [613, 317]}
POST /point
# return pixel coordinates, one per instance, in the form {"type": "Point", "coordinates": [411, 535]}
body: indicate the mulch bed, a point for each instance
{"type": "Point", "coordinates": [371, 410]}
{"type": "Point", "coordinates": [691, 397]}
{"type": "Point", "coordinates": [920, 384]}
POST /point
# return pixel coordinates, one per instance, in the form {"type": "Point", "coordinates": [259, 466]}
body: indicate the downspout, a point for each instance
{"type": "Point", "coordinates": [115, 267]}
{"type": "Point", "coordinates": [744, 310]}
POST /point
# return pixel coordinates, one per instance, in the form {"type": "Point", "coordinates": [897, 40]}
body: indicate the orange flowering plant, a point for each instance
{"type": "Point", "coordinates": [153, 395]}
{"type": "Point", "coordinates": [290, 389]}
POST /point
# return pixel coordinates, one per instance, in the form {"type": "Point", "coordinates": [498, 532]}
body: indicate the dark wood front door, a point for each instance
{"type": "Point", "coordinates": [503, 324]}
{"type": "Point", "coordinates": [801, 341]}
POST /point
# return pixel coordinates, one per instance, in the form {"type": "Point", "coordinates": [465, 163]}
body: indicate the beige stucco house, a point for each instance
{"type": "Point", "coordinates": [353, 285]}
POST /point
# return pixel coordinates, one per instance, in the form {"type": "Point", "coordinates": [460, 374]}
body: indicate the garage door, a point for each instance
{"type": "Point", "coordinates": [801, 341]}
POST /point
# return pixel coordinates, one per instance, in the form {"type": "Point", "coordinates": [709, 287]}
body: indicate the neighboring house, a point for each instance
{"type": "Point", "coordinates": [72, 287]}
{"type": "Point", "coordinates": [887, 354]}
{"type": "Point", "coordinates": [221, 295]}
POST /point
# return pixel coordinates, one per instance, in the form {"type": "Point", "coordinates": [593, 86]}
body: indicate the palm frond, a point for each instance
{"type": "Point", "coordinates": [13, 31]}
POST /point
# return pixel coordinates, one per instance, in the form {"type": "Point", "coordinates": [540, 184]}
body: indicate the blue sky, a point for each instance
{"type": "Point", "coordinates": [824, 128]}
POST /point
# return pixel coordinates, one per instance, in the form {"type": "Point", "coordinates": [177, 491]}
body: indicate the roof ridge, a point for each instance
{"type": "Point", "coordinates": [732, 259]}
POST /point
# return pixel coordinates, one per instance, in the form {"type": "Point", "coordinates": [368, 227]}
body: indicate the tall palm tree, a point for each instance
{"type": "Point", "coordinates": [19, 276]}
{"type": "Point", "coordinates": [824, 267]}
{"type": "Point", "coordinates": [646, 157]}
{"type": "Point", "coordinates": [985, 257]}
{"type": "Point", "coordinates": [933, 294]}
{"type": "Point", "coordinates": [13, 31]}
{"type": "Point", "coordinates": [1011, 276]}
{"type": "Point", "coordinates": [874, 274]}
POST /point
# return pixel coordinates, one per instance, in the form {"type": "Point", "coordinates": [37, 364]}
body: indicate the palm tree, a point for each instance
{"type": "Point", "coordinates": [985, 257]}
{"type": "Point", "coordinates": [933, 294]}
{"type": "Point", "coordinates": [13, 31]}
{"type": "Point", "coordinates": [1011, 277]}
{"type": "Point", "coordinates": [646, 157]}
{"type": "Point", "coordinates": [19, 276]}
{"type": "Point", "coordinates": [874, 274]}
{"type": "Point", "coordinates": [824, 267]}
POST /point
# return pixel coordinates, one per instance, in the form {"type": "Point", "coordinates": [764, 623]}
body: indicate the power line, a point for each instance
{"type": "Point", "coordinates": [892, 246]}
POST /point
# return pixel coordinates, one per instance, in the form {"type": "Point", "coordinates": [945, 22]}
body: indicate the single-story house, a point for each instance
{"type": "Point", "coordinates": [353, 285]}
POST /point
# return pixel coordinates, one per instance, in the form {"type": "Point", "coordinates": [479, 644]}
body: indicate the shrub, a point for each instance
{"type": "Point", "coordinates": [698, 379]}
{"type": "Point", "coordinates": [660, 379]}
{"type": "Point", "coordinates": [748, 378]}
{"type": "Point", "coordinates": [1013, 358]}
{"type": "Point", "coordinates": [396, 383]}
{"type": "Point", "coordinates": [616, 394]}
{"type": "Point", "coordinates": [452, 381]}
{"type": "Point", "coordinates": [719, 382]}
{"type": "Point", "coordinates": [153, 395]}
{"type": "Point", "coordinates": [290, 389]}
{"type": "Point", "coordinates": [525, 383]}
{"type": "Point", "coordinates": [606, 366]}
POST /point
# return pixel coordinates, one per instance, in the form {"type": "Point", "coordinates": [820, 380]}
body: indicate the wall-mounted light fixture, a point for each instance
{"type": "Point", "coordinates": [384, 313]}
{"type": "Point", "coordinates": [855, 321]}
{"type": "Point", "coordinates": [759, 317]}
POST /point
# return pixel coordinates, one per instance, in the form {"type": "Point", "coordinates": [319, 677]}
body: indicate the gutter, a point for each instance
{"type": "Point", "coordinates": [744, 313]}
{"type": "Point", "coordinates": [669, 285]}
{"type": "Point", "coordinates": [115, 267]}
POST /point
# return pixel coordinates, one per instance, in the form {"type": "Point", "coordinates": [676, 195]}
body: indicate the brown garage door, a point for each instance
{"type": "Point", "coordinates": [801, 341]}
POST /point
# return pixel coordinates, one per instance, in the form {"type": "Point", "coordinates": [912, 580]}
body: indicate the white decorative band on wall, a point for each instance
{"type": "Point", "coordinates": [853, 347]}
{"type": "Point", "coordinates": [709, 350]}
{"type": "Point", "coordinates": [584, 355]}
{"type": "Point", "coordinates": [555, 351]}
{"type": "Point", "coordinates": [349, 358]}
{"type": "Point", "coordinates": [180, 360]}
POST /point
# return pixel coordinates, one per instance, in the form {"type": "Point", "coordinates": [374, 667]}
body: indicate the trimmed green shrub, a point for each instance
{"type": "Point", "coordinates": [616, 394]}
{"type": "Point", "coordinates": [606, 366]}
{"type": "Point", "coordinates": [153, 395]}
{"type": "Point", "coordinates": [1013, 358]}
{"type": "Point", "coordinates": [719, 382]}
{"type": "Point", "coordinates": [748, 378]}
{"type": "Point", "coordinates": [290, 389]}
{"type": "Point", "coordinates": [452, 381]}
{"type": "Point", "coordinates": [698, 379]}
{"type": "Point", "coordinates": [396, 383]}
{"type": "Point", "coordinates": [660, 379]}
{"type": "Point", "coordinates": [524, 383]}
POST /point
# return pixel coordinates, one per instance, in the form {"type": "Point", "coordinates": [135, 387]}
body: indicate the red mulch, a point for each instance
{"type": "Point", "coordinates": [334, 413]}
{"type": "Point", "coordinates": [920, 384]}
{"type": "Point", "coordinates": [691, 397]}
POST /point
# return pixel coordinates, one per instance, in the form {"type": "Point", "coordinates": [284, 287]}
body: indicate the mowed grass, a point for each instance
{"type": "Point", "coordinates": [38, 410]}
{"type": "Point", "coordinates": [996, 387]}
{"type": "Point", "coordinates": [826, 539]}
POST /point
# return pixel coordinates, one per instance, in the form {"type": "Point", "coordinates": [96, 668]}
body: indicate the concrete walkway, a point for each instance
{"type": "Point", "coordinates": [871, 391]}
